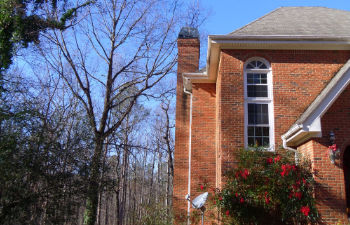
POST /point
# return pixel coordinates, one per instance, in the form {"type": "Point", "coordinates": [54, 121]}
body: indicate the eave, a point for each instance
{"type": "Point", "coordinates": [216, 43]}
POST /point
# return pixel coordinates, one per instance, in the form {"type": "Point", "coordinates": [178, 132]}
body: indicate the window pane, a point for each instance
{"type": "Point", "coordinates": [257, 90]}
{"type": "Point", "coordinates": [264, 113]}
{"type": "Point", "coordinates": [250, 131]}
{"type": "Point", "coordinates": [258, 64]}
{"type": "Point", "coordinates": [258, 113]}
{"type": "Point", "coordinates": [265, 131]}
{"type": "Point", "coordinates": [266, 141]}
{"type": "Point", "coordinates": [258, 131]}
{"type": "Point", "coordinates": [250, 79]}
{"type": "Point", "coordinates": [263, 66]}
{"type": "Point", "coordinates": [251, 141]}
{"type": "Point", "coordinates": [257, 78]}
{"type": "Point", "coordinates": [257, 136]}
{"type": "Point", "coordinates": [250, 66]}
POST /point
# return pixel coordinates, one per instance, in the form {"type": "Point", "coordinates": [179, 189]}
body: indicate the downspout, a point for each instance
{"type": "Point", "coordinates": [290, 149]}
{"type": "Point", "coordinates": [189, 157]}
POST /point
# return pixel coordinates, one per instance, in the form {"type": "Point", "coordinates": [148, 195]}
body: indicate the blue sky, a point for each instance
{"type": "Point", "coordinates": [228, 15]}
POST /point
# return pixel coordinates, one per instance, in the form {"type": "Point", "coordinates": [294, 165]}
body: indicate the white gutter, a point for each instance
{"type": "Point", "coordinates": [290, 149]}
{"type": "Point", "coordinates": [295, 129]}
{"type": "Point", "coordinates": [189, 158]}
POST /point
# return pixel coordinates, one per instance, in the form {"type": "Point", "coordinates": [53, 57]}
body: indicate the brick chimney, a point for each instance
{"type": "Point", "coordinates": [188, 61]}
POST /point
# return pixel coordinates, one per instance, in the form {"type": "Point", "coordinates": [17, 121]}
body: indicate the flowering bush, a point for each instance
{"type": "Point", "coordinates": [267, 189]}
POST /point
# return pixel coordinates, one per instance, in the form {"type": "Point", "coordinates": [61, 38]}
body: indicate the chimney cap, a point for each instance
{"type": "Point", "coordinates": [188, 33]}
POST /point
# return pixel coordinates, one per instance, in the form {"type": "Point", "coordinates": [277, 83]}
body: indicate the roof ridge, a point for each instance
{"type": "Point", "coordinates": [256, 20]}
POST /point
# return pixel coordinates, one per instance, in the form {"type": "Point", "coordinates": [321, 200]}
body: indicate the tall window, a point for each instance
{"type": "Point", "coordinates": [259, 130]}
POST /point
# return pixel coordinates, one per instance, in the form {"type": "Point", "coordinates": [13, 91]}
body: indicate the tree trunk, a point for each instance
{"type": "Point", "coordinates": [124, 179]}
{"type": "Point", "coordinates": [107, 209]}
{"type": "Point", "coordinates": [159, 179]}
{"type": "Point", "coordinates": [93, 189]}
{"type": "Point", "coordinates": [152, 179]}
{"type": "Point", "coordinates": [117, 191]}
{"type": "Point", "coordinates": [142, 195]}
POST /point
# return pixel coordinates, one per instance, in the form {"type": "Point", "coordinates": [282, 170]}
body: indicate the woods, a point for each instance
{"type": "Point", "coordinates": [87, 112]}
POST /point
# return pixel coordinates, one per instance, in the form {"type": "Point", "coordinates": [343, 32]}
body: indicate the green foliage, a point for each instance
{"type": "Point", "coordinates": [21, 22]}
{"type": "Point", "coordinates": [268, 189]}
{"type": "Point", "coordinates": [43, 176]}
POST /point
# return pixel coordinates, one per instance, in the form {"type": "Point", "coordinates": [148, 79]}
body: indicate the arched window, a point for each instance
{"type": "Point", "coordinates": [258, 102]}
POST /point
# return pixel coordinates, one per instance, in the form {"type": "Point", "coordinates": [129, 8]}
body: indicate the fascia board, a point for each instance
{"type": "Point", "coordinates": [279, 37]}
{"type": "Point", "coordinates": [277, 42]}
{"type": "Point", "coordinates": [301, 136]}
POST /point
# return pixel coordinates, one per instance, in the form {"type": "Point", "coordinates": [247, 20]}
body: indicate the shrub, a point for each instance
{"type": "Point", "coordinates": [267, 188]}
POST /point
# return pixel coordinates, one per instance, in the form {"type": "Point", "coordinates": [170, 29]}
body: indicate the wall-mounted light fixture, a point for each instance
{"type": "Point", "coordinates": [333, 150]}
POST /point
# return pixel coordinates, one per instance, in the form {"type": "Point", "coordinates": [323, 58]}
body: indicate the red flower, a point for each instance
{"type": "Point", "coordinates": [305, 210]}
{"type": "Point", "coordinates": [227, 212]}
{"type": "Point", "coordinates": [244, 173]}
{"type": "Point", "coordinates": [220, 198]}
{"type": "Point", "coordinates": [214, 202]}
{"type": "Point", "coordinates": [291, 194]}
{"type": "Point", "coordinates": [202, 187]}
{"type": "Point", "coordinates": [267, 200]}
{"type": "Point", "coordinates": [304, 181]}
{"type": "Point", "coordinates": [269, 161]}
{"type": "Point", "coordinates": [236, 195]}
{"type": "Point", "coordinates": [294, 168]}
{"type": "Point", "coordinates": [333, 147]}
{"type": "Point", "coordinates": [278, 158]}
{"type": "Point", "coordinates": [295, 186]}
{"type": "Point", "coordinates": [285, 169]}
{"type": "Point", "coordinates": [298, 195]}
{"type": "Point", "coordinates": [242, 200]}
{"type": "Point", "coordinates": [237, 174]}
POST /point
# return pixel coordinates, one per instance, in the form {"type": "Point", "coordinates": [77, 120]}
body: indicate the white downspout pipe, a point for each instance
{"type": "Point", "coordinates": [189, 157]}
{"type": "Point", "coordinates": [290, 149]}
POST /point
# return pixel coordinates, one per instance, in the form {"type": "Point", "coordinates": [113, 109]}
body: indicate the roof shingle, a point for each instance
{"type": "Point", "coordinates": [299, 21]}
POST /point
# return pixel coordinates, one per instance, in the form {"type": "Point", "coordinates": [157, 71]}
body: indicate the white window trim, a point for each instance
{"type": "Point", "coordinates": [267, 100]}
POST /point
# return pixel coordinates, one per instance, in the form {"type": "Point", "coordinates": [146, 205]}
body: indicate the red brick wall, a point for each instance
{"type": "Point", "coordinates": [330, 191]}
{"type": "Point", "coordinates": [188, 51]}
{"type": "Point", "coordinates": [298, 77]}
{"type": "Point", "coordinates": [203, 160]}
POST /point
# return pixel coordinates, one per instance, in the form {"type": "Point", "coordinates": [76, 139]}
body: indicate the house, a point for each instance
{"type": "Point", "coordinates": [280, 82]}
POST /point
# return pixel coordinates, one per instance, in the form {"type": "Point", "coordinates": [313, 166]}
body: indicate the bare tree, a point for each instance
{"type": "Point", "coordinates": [117, 51]}
{"type": "Point", "coordinates": [169, 145]}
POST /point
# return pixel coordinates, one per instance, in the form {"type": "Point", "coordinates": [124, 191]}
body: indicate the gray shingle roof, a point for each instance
{"type": "Point", "coordinates": [299, 21]}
